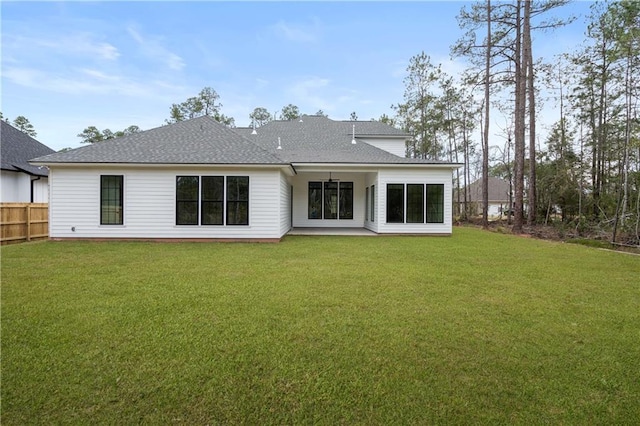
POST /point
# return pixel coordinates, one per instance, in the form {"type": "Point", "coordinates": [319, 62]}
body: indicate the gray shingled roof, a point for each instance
{"type": "Point", "coordinates": [498, 190]}
{"type": "Point", "coordinates": [314, 139]}
{"type": "Point", "coordinates": [317, 139]}
{"type": "Point", "coordinates": [17, 148]}
{"type": "Point", "coordinates": [198, 141]}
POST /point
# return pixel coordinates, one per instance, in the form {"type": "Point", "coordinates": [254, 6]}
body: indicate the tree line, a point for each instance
{"type": "Point", "coordinates": [587, 170]}
{"type": "Point", "coordinates": [206, 102]}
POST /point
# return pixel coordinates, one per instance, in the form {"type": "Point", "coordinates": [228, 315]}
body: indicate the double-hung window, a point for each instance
{"type": "Point", "coordinates": [212, 200]}
{"type": "Point", "coordinates": [111, 199]}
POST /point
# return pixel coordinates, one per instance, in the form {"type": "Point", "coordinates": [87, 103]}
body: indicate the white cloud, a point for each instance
{"type": "Point", "coordinates": [154, 49]}
{"type": "Point", "coordinates": [298, 32]}
{"type": "Point", "coordinates": [312, 93]}
{"type": "Point", "coordinates": [85, 81]}
{"type": "Point", "coordinates": [78, 44]}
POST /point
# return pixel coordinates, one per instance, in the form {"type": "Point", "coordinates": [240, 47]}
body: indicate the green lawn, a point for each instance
{"type": "Point", "coordinates": [476, 328]}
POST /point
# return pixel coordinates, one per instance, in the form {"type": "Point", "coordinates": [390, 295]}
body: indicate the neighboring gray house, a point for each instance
{"type": "Point", "coordinates": [21, 182]}
{"type": "Point", "coordinates": [197, 179]}
{"type": "Point", "coordinates": [498, 197]}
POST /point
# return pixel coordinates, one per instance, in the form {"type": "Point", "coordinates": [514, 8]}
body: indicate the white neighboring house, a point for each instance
{"type": "Point", "coordinates": [499, 191]}
{"type": "Point", "coordinates": [21, 182]}
{"type": "Point", "coordinates": [197, 179]}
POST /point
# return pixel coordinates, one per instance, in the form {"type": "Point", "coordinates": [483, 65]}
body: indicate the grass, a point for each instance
{"type": "Point", "coordinates": [476, 328]}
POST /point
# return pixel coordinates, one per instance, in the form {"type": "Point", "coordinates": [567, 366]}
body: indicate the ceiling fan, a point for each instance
{"type": "Point", "coordinates": [333, 180]}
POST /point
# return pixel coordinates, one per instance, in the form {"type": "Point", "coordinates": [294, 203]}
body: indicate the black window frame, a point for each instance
{"type": "Point", "coordinates": [373, 203]}
{"type": "Point", "coordinates": [345, 200]}
{"type": "Point", "coordinates": [212, 200]}
{"type": "Point", "coordinates": [415, 200]}
{"type": "Point", "coordinates": [195, 203]}
{"type": "Point", "coordinates": [436, 209]}
{"type": "Point", "coordinates": [314, 206]}
{"type": "Point", "coordinates": [329, 206]}
{"type": "Point", "coordinates": [107, 194]}
{"type": "Point", "coordinates": [343, 193]}
{"type": "Point", "coordinates": [395, 212]}
{"type": "Point", "coordinates": [240, 201]}
{"type": "Point", "coordinates": [366, 204]}
{"type": "Point", "coordinates": [183, 203]}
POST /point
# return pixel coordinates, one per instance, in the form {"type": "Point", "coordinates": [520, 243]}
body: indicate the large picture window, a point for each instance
{"type": "Point", "coordinates": [111, 211]}
{"type": "Point", "coordinates": [210, 200]}
{"type": "Point", "coordinates": [435, 203]}
{"type": "Point", "coordinates": [395, 203]}
{"type": "Point", "coordinates": [238, 200]}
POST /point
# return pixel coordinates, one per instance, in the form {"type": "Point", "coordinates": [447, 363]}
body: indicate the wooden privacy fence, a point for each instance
{"type": "Point", "coordinates": [23, 221]}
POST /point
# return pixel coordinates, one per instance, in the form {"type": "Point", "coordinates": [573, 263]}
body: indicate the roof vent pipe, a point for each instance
{"type": "Point", "coordinates": [353, 138]}
{"type": "Point", "coordinates": [279, 146]}
{"type": "Point", "coordinates": [254, 128]}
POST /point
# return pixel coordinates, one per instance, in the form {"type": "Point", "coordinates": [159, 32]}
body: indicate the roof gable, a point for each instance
{"type": "Point", "coordinates": [17, 148]}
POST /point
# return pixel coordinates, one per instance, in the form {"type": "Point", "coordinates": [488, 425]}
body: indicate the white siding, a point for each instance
{"type": "Point", "coordinates": [395, 146]}
{"type": "Point", "coordinates": [285, 204]}
{"type": "Point", "coordinates": [371, 182]}
{"type": "Point", "coordinates": [41, 190]}
{"type": "Point", "coordinates": [435, 176]}
{"type": "Point", "coordinates": [149, 204]}
{"type": "Point", "coordinates": [301, 197]}
{"type": "Point", "coordinates": [15, 187]}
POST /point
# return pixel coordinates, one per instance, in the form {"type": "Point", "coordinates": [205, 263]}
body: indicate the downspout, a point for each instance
{"type": "Point", "coordinates": [33, 180]}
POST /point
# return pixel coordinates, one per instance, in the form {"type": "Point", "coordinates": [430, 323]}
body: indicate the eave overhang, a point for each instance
{"type": "Point", "coordinates": [286, 167]}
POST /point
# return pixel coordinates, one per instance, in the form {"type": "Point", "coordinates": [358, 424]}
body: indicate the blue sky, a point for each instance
{"type": "Point", "coordinates": [69, 65]}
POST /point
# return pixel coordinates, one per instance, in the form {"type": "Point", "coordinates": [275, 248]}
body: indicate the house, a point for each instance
{"type": "Point", "coordinates": [499, 190]}
{"type": "Point", "coordinates": [198, 179]}
{"type": "Point", "coordinates": [21, 182]}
